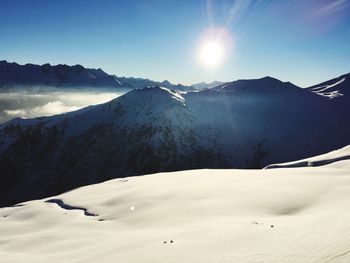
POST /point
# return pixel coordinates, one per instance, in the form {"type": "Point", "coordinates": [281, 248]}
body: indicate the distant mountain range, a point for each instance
{"type": "Point", "coordinates": [240, 124]}
{"type": "Point", "coordinates": [13, 75]}
{"type": "Point", "coordinates": [204, 85]}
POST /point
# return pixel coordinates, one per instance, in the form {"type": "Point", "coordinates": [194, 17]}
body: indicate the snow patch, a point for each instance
{"type": "Point", "coordinates": [176, 95]}
{"type": "Point", "coordinates": [323, 90]}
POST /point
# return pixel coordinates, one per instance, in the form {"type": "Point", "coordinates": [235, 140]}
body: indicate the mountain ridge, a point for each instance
{"type": "Point", "coordinates": [14, 75]}
{"type": "Point", "coordinates": [204, 85]}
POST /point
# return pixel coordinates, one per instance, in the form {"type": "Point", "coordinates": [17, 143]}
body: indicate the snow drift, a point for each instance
{"type": "Point", "coordinates": [287, 215]}
{"type": "Point", "coordinates": [324, 159]}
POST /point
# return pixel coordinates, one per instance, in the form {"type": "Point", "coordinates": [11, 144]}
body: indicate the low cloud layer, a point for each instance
{"type": "Point", "coordinates": [30, 104]}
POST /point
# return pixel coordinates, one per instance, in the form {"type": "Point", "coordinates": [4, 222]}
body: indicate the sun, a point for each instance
{"type": "Point", "coordinates": [214, 47]}
{"type": "Point", "coordinates": [211, 53]}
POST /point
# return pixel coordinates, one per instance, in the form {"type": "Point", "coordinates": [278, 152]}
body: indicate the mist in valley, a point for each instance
{"type": "Point", "coordinates": [50, 101]}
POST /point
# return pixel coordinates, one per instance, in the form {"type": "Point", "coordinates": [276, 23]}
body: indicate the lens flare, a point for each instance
{"type": "Point", "coordinates": [211, 54]}
{"type": "Point", "coordinates": [214, 47]}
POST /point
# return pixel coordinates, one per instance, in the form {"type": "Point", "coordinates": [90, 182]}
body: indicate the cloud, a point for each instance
{"type": "Point", "coordinates": [52, 108]}
{"type": "Point", "coordinates": [15, 113]}
{"type": "Point", "coordinates": [332, 7]}
{"type": "Point", "coordinates": [30, 104]}
{"type": "Point", "coordinates": [84, 99]}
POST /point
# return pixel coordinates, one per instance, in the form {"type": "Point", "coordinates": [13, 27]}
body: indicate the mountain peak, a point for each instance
{"type": "Point", "coordinates": [263, 84]}
{"type": "Point", "coordinates": [269, 78]}
{"type": "Point", "coordinates": [166, 82]}
{"type": "Point", "coordinates": [204, 85]}
{"type": "Point", "coordinates": [157, 94]}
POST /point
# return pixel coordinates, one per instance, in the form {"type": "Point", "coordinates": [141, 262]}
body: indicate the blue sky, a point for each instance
{"type": "Point", "coordinates": [304, 42]}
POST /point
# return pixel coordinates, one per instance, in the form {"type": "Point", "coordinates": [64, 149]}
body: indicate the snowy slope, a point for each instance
{"type": "Point", "coordinates": [342, 154]}
{"type": "Point", "coordinates": [277, 215]}
{"type": "Point", "coordinates": [334, 88]}
{"type": "Point", "coordinates": [157, 130]}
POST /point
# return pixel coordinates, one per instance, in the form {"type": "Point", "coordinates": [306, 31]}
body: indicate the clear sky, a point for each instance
{"type": "Point", "coordinates": [304, 42]}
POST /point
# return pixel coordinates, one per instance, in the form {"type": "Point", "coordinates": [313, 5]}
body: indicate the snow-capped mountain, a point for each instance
{"type": "Point", "coordinates": [274, 215]}
{"type": "Point", "coordinates": [242, 124]}
{"type": "Point", "coordinates": [334, 88]}
{"type": "Point", "coordinates": [13, 75]}
{"type": "Point", "coordinates": [204, 85]}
